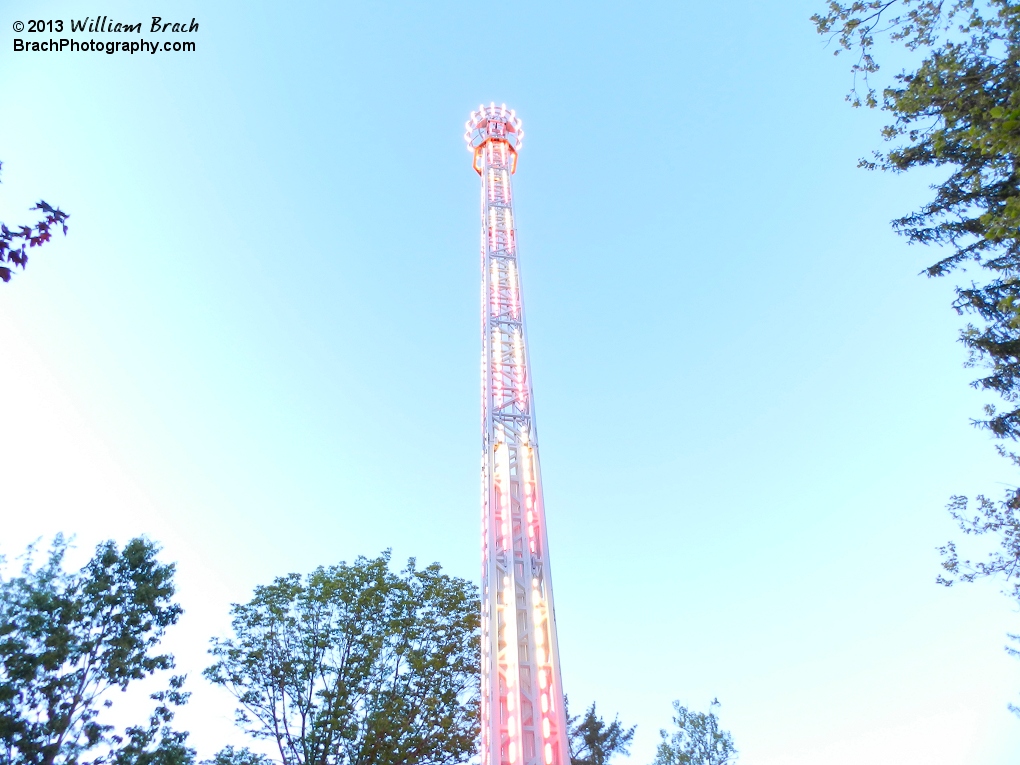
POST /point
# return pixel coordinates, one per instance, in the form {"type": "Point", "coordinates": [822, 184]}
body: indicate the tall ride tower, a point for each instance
{"type": "Point", "coordinates": [523, 720]}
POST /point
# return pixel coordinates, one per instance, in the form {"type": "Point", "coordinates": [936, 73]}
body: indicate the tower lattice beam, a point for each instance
{"type": "Point", "coordinates": [523, 719]}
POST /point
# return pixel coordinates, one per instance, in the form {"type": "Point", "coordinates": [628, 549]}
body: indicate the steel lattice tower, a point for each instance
{"type": "Point", "coordinates": [523, 719]}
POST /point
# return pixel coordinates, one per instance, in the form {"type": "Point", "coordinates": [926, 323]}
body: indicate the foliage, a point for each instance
{"type": "Point", "coordinates": [696, 740]}
{"type": "Point", "coordinates": [13, 253]}
{"type": "Point", "coordinates": [1001, 519]}
{"type": "Point", "coordinates": [356, 665]}
{"type": "Point", "coordinates": [245, 756]}
{"type": "Point", "coordinates": [156, 743]}
{"type": "Point", "coordinates": [67, 639]}
{"type": "Point", "coordinates": [959, 111]}
{"type": "Point", "coordinates": [992, 517]}
{"type": "Point", "coordinates": [592, 742]}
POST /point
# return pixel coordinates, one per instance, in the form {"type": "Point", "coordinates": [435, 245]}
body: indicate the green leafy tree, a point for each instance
{"type": "Point", "coordinates": [592, 741]}
{"type": "Point", "coordinates": [244, 756]}
{"type": "Point", "coordinates": [67, 639]}
{"type": "Point", "coordinates": [695, 740]}
{"type": "Point", "coordinates": [958, 110]}
{"type": "Point", "coordinates": [356, 665]}
{"type": "Point", "coordinates": [14, 242]}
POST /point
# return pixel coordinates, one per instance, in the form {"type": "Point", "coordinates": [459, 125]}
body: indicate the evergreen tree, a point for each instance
{"type": "Point", "coordinates": [592, 741]}
{"type": "Point", "coordinates": [958, 110]}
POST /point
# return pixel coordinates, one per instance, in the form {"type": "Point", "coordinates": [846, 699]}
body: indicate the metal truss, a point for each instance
{"type": "Point", "coordinates": [523, 719]}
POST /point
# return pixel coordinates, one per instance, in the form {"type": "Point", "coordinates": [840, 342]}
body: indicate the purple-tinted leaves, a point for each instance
{"type": "Point", "coordinates": [32, 236]}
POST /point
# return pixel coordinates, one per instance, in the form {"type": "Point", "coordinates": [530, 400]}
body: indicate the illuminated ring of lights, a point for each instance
{"type": "Point", "coordinates": [493, 112]}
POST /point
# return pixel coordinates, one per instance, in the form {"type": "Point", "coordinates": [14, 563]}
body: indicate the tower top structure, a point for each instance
{"type": "Point", "coordinates": [493, 123]}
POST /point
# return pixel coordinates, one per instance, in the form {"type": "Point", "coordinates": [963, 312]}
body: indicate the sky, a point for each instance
{"type": "Point", "coordinates": [258, 345]}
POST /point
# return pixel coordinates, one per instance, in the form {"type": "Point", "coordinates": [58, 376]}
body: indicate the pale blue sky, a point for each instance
{"type": "Point", "coordinates": [259, 344]}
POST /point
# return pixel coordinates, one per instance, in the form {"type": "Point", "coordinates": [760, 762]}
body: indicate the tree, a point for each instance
{"type": "Point", "coordinates": [959, 111]}
{"type": "Point", "coordinates": [14, 253]}
{"type": "Point", "coordinates": [592, 742]}
{"type": "Point", "coordinates": [67, 639]}
{"type": "Point", "coordinates": [356, 665]}
{"type": "Point", "coordinates": [697, 740]}
{"type": "Point", "coordinates": [245, 756]}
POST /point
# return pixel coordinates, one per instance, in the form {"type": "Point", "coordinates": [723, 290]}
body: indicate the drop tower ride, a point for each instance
{"type": "Point", "coordinates": [522, 714]}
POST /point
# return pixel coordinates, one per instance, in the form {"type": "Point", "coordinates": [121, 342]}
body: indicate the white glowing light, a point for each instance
{"type": "Point", "coordinates": [497, 368]}
{"type": "Point", "coordinates": [494, 281]}
{"type": "Point", "coordinates": [519, 368]}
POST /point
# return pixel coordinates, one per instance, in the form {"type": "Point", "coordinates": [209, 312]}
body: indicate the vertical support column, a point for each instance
{"type": "Point", "coordinates": [523, 720]}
